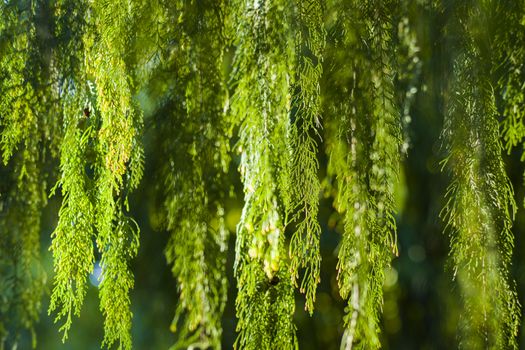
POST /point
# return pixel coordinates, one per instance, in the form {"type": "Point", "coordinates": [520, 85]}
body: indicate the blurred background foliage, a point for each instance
{"type": "Point", "coordinates": [421, 298]}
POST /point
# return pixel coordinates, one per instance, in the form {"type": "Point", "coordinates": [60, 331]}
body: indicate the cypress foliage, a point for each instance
{"type": "Point", "coordinates": [22, 277]}
{"type": "Point", "coordinates": [29, 101]}
{"type": "Point", "coordinates": [480, 205]}
{"type": "Point", "coordinates": [363, 144]}
{"type": "Point", "coordinates": [337, 74]}
{"type": "Point", "coordinates": [119, 167]}
{"type": "Point", "coordinates": [196, 132]}
{"type": "Point", "coordinates": [26, 124]}
{"type": "Point", "coordinates": [509, 60]}
{"type": "Point", "coordinates": [409, 66]}
{"type": "Point", "coordinates": [18, 107]}
{"type": "Point", "coordinates": [303, 141]}
{"type": "Point", "coordinates": [265, 302]}
{"type": "Point", "coordinates": [480, 221]}
{"type": "Point", "coordinates": [72, 244]}
{"type": "Point", "coordinates": [101, 162]}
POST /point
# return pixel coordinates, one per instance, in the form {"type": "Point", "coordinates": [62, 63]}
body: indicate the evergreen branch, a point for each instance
{"type": "Point", "coordinates": [409, 65]}
{"type": "Point", "coordinates": [481, 205]}
{"type": "Point", "coordinates": [194, 184]}
{"type": "Point", "coordinates": [25, 126]}
{"type": "Point", "coordinates": [266, 312]}
{"type": "Point", "coordinates": [304, 183]}
{"type": "Point", "coordinates": [118, 140]}
{"type": "Point", "coordinates": [72, 74]}
{"type": "Point", "coordinates": [17, 117]}
{"type": "Point", "coordinates": [509, 63]}
{"type": "Point", "coordinates": [22, 277]}
{"type": "Point", "coordinates": [19, 79]}
{"type": "Point", "coordinates": [72, 244]}
{"type": "Point", "coordinates": [117, 281]}
{"type": "Point", "coordinates": [363, 143]}
{"type": "Point", "coordinates": [262, 104]}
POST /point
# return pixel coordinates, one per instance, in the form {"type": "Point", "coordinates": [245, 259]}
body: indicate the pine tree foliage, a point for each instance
{"type": "Point", "coordinates": [480, 205]}
{"type": "Point", "coordinates": [192, 122]}
{"type": "Point", "coordinates": [363, 144]}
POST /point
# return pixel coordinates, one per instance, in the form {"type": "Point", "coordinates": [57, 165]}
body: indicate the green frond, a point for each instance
{"type": "Point", "coordinates": [481, 206]}
{"type": "Point", "coordinates": [408, 79]}
{"type": "Point", "coordinates": [117, 281]}
{"type": "Point", "coordinates": [83, 81]}
{"type": "Point", "coordinates": [509, 60]}
{"type": "Point", "coordinates": [26, 123]}
{"type": "Point", "coordinates": [262, 100]}
{"type": "Point", "coordinates": [479, 213]}
{"type": "Point", "coordinates": [72, 239]}
{"type": "Point", "coordinates": [363, 144]}
{"type": "Point", "coordinates": [27, 99]}
{"type": "Point", "coordinates": [196, 159]}
{"type": "Point", "coordinates": [265, 308]}
{"type": "Point", "coordinates": [116, 171]}
{"type": "Point", "coordinates": [304, 136]}
{"type": "Point", "coordinates": [72, 244]}
{"type": "Point", "coordinates": [19, 99]}
{"type": "Point", "coordinates": [22, 276]}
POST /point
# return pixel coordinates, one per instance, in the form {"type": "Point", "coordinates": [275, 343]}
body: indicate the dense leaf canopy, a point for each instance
{"type": "Point", "coordinates": [308, 114]}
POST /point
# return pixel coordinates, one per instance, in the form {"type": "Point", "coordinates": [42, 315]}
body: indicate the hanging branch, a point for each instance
{"type": "Point", "coordinates": [70, 74]}
{"type": "Point", "coordinates": [22, 277]}
{"type": "Point", "coordinates": [99, 143]}
{"type": "Point", "coordinates": [26, 123]}
{"type": "Point", "coordinates": [479, 212]}
{"type": "Point", "coordinates": [119, 162]}
{"type": "Point", "coordinates": [72, 244]}
{"type": "Point", "coordinates": [194, 135]}
{"type": "Point", "coordinates": [19, 79]}
{"type": "Point", "coordinates": [480, 205]}
{"type": "Point", "coordinates": [408, 77]}
{"type": "Point", "coordinates": [265, 301]}
{"type": "Point", "coordinates": [304, 136]}
{"type": "Point", "coordinates": [27, 105]}
{"type": "Point", "coordinates": [363, 144]}
{"type": "Point", "coordinates": [509, 63]}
